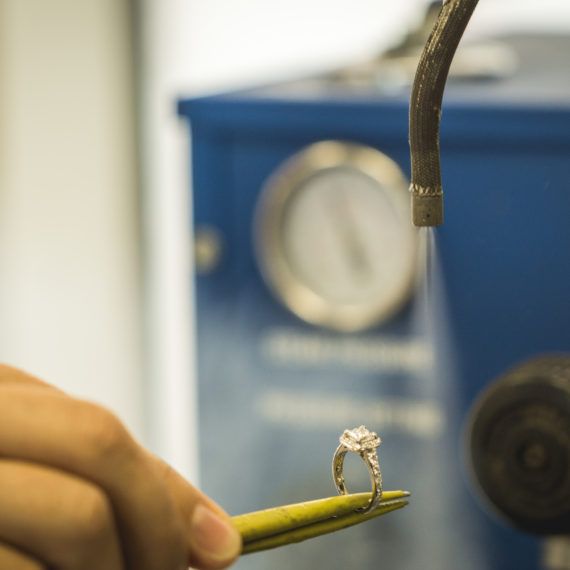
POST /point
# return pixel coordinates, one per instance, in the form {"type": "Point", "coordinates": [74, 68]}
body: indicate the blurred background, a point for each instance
{"type": "Point", "coordinates": [96, 250]}
{"type": "Point", "coordinates": [95, 256]}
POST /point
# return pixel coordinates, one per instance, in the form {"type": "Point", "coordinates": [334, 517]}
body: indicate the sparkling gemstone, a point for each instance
{"type": "Point", "coordinates": [360, 439]}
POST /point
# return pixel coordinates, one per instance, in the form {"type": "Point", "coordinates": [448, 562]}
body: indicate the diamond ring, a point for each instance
{"type": "Point", "coordinates": [364, 442]}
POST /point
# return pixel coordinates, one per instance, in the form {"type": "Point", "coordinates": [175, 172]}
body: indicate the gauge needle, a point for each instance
{"type": "Point", "coordinates": [353, 246]}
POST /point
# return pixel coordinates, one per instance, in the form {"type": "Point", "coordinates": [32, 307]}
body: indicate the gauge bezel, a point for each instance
{"type": "Point", "coordinates": [281, 187]}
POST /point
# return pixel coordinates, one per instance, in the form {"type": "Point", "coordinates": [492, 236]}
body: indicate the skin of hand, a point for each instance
{"type": "Point", "coordinates": [77, 492]}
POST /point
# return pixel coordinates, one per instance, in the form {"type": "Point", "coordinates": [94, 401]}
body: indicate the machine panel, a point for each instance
{"type": "Point", "coordinates": [278, 385]}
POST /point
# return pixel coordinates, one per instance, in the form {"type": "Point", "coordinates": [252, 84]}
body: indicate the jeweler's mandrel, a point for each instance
{"type": "Point", "coordinates": [425, 110]}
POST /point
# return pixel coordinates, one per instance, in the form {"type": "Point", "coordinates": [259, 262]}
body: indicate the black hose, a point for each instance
{"type": "Point", "coordinates": [425, 110]}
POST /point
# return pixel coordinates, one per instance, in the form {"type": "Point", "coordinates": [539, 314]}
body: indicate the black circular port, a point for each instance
{"type": "Point", "coordinates": [520, 445]}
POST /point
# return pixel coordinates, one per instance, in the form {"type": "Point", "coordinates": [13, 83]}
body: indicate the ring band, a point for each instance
{"type": "Point", "coordinates": [364, 442]}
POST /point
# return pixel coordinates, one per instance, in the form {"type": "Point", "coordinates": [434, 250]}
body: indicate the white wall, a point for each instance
{"type": "Point", "coordinates": [235, 42]}
{"type": "Point", "coordinates": [226, 43]}
{"type": "Point", "coordinates": [171, 396]}
{"type": "Point", "coordinates": [69, 248]}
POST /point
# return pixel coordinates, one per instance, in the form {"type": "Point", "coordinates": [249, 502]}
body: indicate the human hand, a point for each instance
{"type": "Point", "coordinates": [77, 492]}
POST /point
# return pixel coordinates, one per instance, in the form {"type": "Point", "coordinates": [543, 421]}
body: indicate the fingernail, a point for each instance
{"type": "Point", "coordinates": [212, 536]}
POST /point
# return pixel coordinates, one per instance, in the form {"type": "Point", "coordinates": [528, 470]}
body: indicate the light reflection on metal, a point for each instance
{"type": "Point", "coordinates": [207, 249]}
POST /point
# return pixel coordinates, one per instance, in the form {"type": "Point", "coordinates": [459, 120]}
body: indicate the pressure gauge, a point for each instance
{"type": "Point", "coordinates": [334, 238]}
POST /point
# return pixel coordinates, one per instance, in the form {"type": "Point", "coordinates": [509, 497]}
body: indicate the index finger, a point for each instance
{"type": "Point", "coordinates": [15, 560]}
{"type": "Point", "coordinates": [11, 375]}
{"type": "Point", "coordinates": [218, 545]}
{"type": "Point", "coordinates": [45, 427]}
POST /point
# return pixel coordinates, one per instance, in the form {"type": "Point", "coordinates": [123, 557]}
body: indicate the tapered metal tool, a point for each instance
{"type": "Point", "coordinates": [279, 526]}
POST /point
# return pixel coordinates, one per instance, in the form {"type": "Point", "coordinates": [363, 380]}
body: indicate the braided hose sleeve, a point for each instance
{"type": "Point", "coordinates": [425, 110]}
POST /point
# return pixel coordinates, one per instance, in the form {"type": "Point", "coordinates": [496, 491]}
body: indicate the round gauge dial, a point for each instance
{"type": "Point", "coordinates": [334, 237]}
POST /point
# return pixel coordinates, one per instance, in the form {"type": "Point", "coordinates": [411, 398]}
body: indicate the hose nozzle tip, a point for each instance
{"type": "Point", "coordinates": [427, 210]}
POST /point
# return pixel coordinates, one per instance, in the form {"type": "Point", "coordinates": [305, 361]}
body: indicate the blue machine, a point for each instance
{"type": "Point", "coordinates": [277, 386]}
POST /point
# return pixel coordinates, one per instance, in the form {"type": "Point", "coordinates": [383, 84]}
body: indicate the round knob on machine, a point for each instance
{"type": "Point", "coordinates": [520, 445]}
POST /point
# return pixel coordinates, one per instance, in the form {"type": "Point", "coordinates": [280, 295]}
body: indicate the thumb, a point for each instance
{"type": "Point", "coordinates": [213, 542]}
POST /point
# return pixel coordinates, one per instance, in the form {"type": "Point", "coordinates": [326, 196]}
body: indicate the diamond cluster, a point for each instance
{"type": "Point", "coordinates": [360, 439]}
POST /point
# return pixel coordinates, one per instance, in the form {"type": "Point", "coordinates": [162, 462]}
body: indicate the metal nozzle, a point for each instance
{"type": "Point", "coordinates": [427, 210]}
